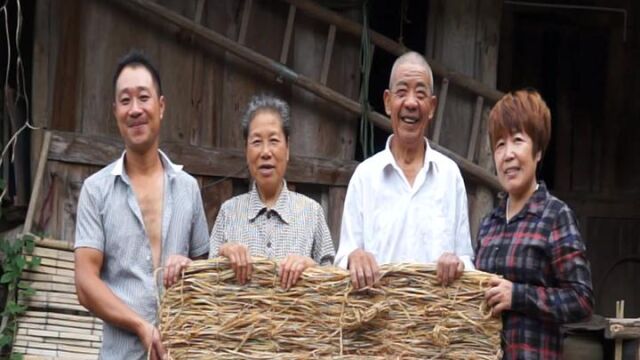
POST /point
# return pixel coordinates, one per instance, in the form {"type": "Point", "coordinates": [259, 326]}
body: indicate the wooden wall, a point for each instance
{"type": "Point", "coordinates": [464, 35]}
{"type": "Point", "coordinates": [77, 44]}
{"type": "Point", "coordinates": [584, 67]}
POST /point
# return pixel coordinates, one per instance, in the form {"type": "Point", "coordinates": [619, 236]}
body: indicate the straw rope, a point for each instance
{"type": "Point", "coordinates": [407, 315]}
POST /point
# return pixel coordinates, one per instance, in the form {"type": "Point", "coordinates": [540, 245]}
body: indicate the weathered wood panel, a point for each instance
{"type": "Point", "coordinates": [101, 150]}
{"type": "Point", "coordinates": [465, 36]}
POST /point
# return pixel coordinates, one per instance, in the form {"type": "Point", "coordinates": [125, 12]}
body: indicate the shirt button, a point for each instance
{"type": "Point", "coordinates": [148, 258]}
{"type": "Point", "coordinates": [269, 244]}
{"type": "Point", "coordinates": [268, 214]}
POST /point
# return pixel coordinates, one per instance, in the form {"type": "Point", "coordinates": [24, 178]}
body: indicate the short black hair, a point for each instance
{"type": "Point", "coordinates": [137, 58]}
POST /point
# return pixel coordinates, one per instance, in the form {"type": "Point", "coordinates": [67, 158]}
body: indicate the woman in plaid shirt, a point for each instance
{"type": "Point", "coordinates": [531, 238]}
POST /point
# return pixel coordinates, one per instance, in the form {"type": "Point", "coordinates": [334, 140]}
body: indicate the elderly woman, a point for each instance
{"type": "Point", "coordinates": [531, 238]}
{"type": "Point", "coordinates": [270, 220]}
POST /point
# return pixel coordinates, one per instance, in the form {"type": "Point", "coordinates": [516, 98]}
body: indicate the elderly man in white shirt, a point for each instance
{"type": "Point", "coordinates": [407, 203]}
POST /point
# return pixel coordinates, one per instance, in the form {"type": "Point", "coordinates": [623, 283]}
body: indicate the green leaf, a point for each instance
{"type": "Point", "coordinates": [15, 356]}
{"type": "Point", "coordinates": [5, 340]}
{"type": "Point", "coordinates": [14, 308]}
{"type": "Point", "coordinates": [29, 243]}
{"type": "Point", "coordinates": [21, 262]}
{"type": "Point", "coordinates": [28, 292]}
{"type": "Point", "coordinates": [24, 285]}
{"type": "Point", "coordinates": [35, 262]}
{"type": "Point", "coordinates": [7, 277]}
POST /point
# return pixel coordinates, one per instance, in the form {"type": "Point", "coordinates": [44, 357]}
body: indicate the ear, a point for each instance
{"type": "Point", "coordinates": [161, 103]}
{"type": "Point", "coordinates": [538, 156]}
{"type": "Point", "coordinates": [434, 105]}
{"type": "Point", "coordinates": [287, 150]}
{"type": "Point", "coordinates": [387, 102]}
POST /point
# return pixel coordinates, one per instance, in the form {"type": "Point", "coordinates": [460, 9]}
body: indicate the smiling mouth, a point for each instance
{"type": "Point", "coordinates": [511, 171]}
{"type": "Point", "coordinates": [136, 123]}
{"type": "Point", "coordinates": [409, 119]}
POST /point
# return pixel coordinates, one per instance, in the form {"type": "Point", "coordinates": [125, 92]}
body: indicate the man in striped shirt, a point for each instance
{"type": "Point", "coordinates": [138, 214]}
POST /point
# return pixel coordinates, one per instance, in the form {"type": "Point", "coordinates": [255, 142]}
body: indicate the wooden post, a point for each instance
{"type": "Point", "coordinates": [37, 183]}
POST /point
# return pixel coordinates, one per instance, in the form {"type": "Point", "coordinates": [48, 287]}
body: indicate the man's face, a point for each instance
{"type": "Point", "coordinates": [410, 103]}
{"type": "Point", "coordinates": [137, 108]}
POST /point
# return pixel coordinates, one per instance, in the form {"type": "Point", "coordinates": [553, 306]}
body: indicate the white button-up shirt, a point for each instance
{"type": "Point", "coordinates": [400, 223]}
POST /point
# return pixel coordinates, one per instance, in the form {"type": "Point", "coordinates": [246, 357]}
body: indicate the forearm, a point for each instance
{"type": "Point", "coordinates": [560, 305]}
{"type": "Point", "coordinates": [94, 294]}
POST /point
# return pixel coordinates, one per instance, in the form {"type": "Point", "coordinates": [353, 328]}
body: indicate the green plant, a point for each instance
{"type": "Point", "coordinates": [16, 258]}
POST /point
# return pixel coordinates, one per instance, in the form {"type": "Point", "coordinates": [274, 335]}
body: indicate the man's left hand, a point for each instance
{"type": "Point", "coordinates": [449, 268]}
{"type": "Point", "coordinates": [173, 269]}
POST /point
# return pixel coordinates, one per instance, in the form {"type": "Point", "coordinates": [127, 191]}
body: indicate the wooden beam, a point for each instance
{"type": "Point", "coordinates": [244, 24]}
{"type": "Point", "coordinates": [622, 328]}
{"type": "Point", "coordinates": [100, 151]}
{"type": "Point", "coordinates": [319, 12]}
{"type": "Point", "coordinates": [328, 51]}
{"type": "Point", "coordinates": [442, 103]}
{"type": "Point", "coordinates": [37, 183]}
{"type": "Point", "coordinates": [286, 42]}
{"type": "Point", "coordinates": [475, 128]}
{"type": "Point", "coordinates": [147, 7]}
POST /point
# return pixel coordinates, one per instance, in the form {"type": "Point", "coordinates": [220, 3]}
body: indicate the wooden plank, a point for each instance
{"type": "Point", "coordinates": [286, 42]}
{"type": "Point", "coordinates": [99, 150]}
{"type": "Point", "coordinates": [197, 17]}
{"type": "Point", "coordinates": [53, 263]}
{"type": "Point", "coordinates": [37, 183]}
{"type": "Point", "coordinates": [61, 316]}
{"type": "Point", "coordinates": [66, 95]}
{"type": "Point", "coordinates": [475, 128]}
{"type": "Point", "coordinates": [244, 24]}
{"type": "Point", "coordinates": [47, 278]}
{"type": "Point", "coordinates": [336, 205]}
{"type": "Point", "coordinates": [214, 194]}
{"type": "Point", "coordinates": [442, 102]}
{"type": "Point", "coordinates": [622, 328]}
{"type": "Point", "coordinates": [328, 52]}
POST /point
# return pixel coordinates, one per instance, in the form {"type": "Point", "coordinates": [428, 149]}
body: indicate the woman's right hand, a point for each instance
{"type": "Point", "coordinates": [240, 260]}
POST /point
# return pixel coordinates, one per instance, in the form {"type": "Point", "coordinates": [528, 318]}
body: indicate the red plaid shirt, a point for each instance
{"type": "Point", "coordinates": [540, 250]}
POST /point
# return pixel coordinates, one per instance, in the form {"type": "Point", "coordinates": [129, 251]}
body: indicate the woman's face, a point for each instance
{"type": "Point", "coordinates": [267, 150]}
{"type": "Point", "coordinates": [516, 163]}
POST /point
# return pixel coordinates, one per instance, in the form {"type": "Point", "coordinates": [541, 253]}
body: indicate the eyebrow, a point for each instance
{"type": "Point", "coordinates": [139, 88]}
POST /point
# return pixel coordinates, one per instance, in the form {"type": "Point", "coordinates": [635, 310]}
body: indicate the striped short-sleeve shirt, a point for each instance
{"type": "Point", "coordinates": [109, 220]}
{"type": "Point", "coordinates": [295, 225]}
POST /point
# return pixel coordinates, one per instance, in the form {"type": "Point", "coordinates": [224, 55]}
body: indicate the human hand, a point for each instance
{"type": "Point", "coordinates": [449, 268]}
{"type": "Point", "coordinates": [292, 267]}
{"type": "Point", "coordinates": [363, 268]}
{"type": "Point", "coordinates": [150, 337]}
{"type": "Point", "coordinates": [499, 295]}
{"type": "Point", "coordinates": [240, 259]}
{"type": "Point", "coordinates": [173, 269]}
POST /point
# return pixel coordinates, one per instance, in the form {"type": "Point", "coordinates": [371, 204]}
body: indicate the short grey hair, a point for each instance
{"type": "Point", "coordinates": [415, 58]}
{"type": "Point", "coordinates": [264, 102]}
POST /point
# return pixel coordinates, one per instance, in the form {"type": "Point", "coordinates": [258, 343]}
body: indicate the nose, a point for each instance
{"type": "Point", "coordinates": [135, 109]}
{"type": "Point", "coordinates": [411, 101]}
{"type": "Point", "coordinates": [508, 151]}
{"type": "Point", "coordinates": [265, 150]}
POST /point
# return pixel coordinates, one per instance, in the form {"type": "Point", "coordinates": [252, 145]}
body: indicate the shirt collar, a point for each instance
{"type": "Point", "coordinates": [257, 207]}
{"type": "Point", "coordinates": [534, 206]}
{"type": "Point", "coordinates": [170, 168]}
{"type": "Point", "coordinates": [389, 160]}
